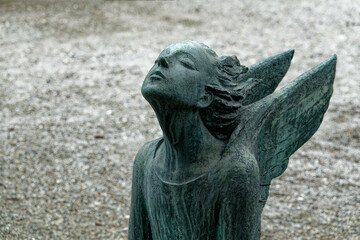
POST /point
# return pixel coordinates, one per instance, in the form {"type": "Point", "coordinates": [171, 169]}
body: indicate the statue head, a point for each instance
{"type": "Point", "coordinates": [189, 74]}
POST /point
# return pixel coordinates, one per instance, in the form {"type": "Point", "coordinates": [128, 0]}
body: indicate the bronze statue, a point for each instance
{"type": "Point", "coordinates": [226, 135]}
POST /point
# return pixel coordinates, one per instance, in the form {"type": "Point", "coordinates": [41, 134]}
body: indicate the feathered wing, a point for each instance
{"type": "Point", "coordinates": [277, 125]}
{"type": "Point", "coordinates": [295, 113]}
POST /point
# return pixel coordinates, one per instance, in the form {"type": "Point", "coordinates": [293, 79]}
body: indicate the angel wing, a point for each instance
{"type": "Point", "coordinates": [277, 124]}
{"type": "Point", "coordinates": [262, 78]}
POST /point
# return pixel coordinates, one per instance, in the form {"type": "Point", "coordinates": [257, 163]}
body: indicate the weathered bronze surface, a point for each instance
{"type": "Point", "coordinates": [226, 135]}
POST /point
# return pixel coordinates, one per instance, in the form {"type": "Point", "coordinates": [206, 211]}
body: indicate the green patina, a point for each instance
{"type": "Point", "coordinates": [226, 134]}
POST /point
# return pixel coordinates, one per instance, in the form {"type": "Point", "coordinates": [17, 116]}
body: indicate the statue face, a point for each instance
{"type": "Point", "coordinates": [179, 75]}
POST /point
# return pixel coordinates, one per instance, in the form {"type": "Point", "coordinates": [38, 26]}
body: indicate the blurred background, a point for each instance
{"type": "Point", "coordinates": [72, 116]}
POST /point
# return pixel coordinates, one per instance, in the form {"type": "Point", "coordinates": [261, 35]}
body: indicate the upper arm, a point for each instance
{"type": "Point", "coordinates": [239, 202]}
{"type": "Point", "coordinates": [139, 225]}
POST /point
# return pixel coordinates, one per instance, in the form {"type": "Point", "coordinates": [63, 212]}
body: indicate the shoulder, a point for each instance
{"type": "Point", "coordinates": [241, 162]}
{"type": "Point", "coordinates": [238, 171]}
{"type": "Point", "coordinates": [146, 152]}
{"type": "Point", "coordinates": [142, 157]}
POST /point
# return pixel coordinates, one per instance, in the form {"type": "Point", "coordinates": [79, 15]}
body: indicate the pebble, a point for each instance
{"type": "Point", "coordinates": [72, 116]}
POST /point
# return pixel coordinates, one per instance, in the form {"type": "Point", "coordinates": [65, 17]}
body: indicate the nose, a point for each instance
{"type": "Point", "coordinates": [163, 62]}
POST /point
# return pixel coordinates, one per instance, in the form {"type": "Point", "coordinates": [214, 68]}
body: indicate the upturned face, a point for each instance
{"type": "Point", "coordinates": [179, 75]}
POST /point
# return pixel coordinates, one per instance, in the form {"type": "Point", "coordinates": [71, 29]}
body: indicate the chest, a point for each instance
{"type": "Point", "coordinates": [188, 210]}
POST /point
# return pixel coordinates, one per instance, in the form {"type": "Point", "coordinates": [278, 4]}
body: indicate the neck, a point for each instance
{"type": "Point", "coordinates": [189, 149]}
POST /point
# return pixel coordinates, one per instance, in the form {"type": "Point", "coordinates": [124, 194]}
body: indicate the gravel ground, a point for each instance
{"type": "Point", "coordinates": [72, 116]}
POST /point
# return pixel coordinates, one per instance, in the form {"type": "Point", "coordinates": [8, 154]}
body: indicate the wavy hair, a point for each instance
{"type": "Point", "coordinates": [221, 116]}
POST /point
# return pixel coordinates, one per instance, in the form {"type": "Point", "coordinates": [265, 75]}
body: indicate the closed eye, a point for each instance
{"type": "Point", "coordinates": [188, 65]}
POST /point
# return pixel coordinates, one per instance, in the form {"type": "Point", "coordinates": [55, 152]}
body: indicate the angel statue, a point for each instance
{"type": "Point", "coordinates": [226, 135]}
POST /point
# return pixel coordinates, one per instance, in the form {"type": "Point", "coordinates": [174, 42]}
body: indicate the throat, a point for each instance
{"type": "Point", "coordinates": [188, 150]}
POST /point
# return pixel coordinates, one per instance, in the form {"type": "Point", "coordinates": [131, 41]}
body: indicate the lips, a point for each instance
{"type": "Point", "coordinates": [157, 75]}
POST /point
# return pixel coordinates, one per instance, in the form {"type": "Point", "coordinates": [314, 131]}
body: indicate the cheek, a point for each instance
{"type": "Point", "coordinates": [188, 78]}
{"type": "Point", "coordinates": [189, 89]}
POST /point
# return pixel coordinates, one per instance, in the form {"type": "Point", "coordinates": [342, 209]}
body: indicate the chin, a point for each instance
{"type": "Point", "coordinates": [152, 91]}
